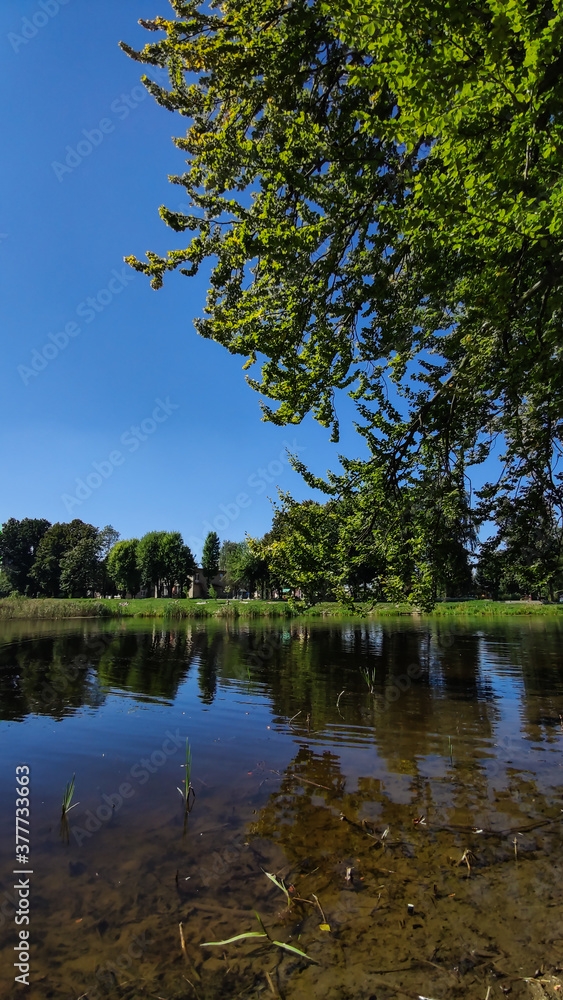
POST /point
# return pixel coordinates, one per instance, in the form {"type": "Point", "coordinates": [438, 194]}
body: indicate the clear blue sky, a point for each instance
{"type": "Point", "coordinates": [113, 409]}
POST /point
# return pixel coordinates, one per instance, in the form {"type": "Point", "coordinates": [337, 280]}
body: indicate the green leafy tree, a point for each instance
{"type": "Point", "coordinates": [19, 541]}
{"type": "Point", "coordinates": [527, 549]}
{"type": "Point", "coordinates": [224, 555]}
{"type": "Point", "coordinates": [80, 568]}
{"type": "Point", "coordinates": [123, 567]}
{"type": "Point", "coordinates": [164, 561]}
{"type": "Point", "coordinates": [378, 189]}
{"type": "Point", "coordinates": [177, 561]}
{"type": "Point", "coordinates": [107, 538]}
{"type": "Point", "coordinates": [57, 541]}
{"type": "Point", "coordinates": [490, 572]}
{"type": "Point", "coordinates": [150, 560]}
{"type": "Point", "coordinates": [210, 556]}
{"type": "Point", "coordinates": [303, 552]}
{"type": "Point", "coordinates": [245, 566]}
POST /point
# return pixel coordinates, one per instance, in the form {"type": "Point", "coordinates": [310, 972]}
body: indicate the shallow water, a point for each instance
{"type": "Point", "coordinates": [405, 773]}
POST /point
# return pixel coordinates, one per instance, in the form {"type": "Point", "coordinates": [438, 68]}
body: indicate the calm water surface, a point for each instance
{"type": "Point", "coordinates": [402, 777]}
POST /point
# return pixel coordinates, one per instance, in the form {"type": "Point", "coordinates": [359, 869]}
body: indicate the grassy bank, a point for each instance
{"type": "Point", "coordinates": [47, 608]}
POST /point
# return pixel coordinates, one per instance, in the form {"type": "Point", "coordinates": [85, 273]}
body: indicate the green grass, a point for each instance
{"type": "Point", "coordinates": [53, 608]}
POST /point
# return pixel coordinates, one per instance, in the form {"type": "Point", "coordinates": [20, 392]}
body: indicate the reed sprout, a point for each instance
{"type": "Point", "coordinates": [188, 791]}
{"type": "Point", "coordinates": [67, 797]}
{"type": "Point", "coordinates": [369, 674]}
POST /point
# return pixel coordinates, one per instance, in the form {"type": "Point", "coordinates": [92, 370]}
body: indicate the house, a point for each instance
{"type": "Point", "coordinates": [198, 586]}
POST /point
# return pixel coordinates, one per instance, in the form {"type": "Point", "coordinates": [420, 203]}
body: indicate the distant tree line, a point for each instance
{"type": "Point", "coordinates": [75, 559]}
{"type": "Point", "coordinates": [314, 551]}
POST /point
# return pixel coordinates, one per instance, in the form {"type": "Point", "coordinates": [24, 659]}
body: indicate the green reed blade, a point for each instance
{"type": "Point", "coordinates": [296, 951]}
{"type": "Point", "coordinates": [238, 937]}
{"type": "Point", "coordinates": [279, 884]}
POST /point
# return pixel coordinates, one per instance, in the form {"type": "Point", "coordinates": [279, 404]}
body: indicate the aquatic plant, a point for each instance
{"type": "Point", "coordinates": [67, 797]}
{"type": "Point", "coordinates": [281, 885]}
{"type": "Point", "coordinates": [188, 791]}
{"type": "Point", "coordinates": [263, 933]}
{"type": "Point", "coordinates": [369, 675]}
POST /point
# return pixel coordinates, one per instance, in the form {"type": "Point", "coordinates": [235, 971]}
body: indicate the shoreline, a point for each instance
{"type": "Point", "coordinates": [53, 609]}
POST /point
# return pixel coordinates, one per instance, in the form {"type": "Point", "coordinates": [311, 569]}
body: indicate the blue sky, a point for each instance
{"type": "Point", "coordinates": [113, 409]}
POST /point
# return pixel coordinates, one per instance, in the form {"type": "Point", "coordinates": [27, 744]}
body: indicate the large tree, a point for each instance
{"type": "Point", "coordinates": [164, 561]}
{"type": "Point", "coordinates": [81, 568]}
{"type": "Point", "coordinates": [210, 556]}
{"type": "Point", "coordinates": [302, 550]}
{"type": "Point", "coordinates": [245, 566]}
{"type": "Point", "coordinates": [55, 544]}
{"type": "Point", "coordinates": [18, 548]}
{"type": "Point", "coordinates": [123, 567]}
{"type": "Point", "coordinates": [379, 189]}
{"type": "Point", "coordinates": [177, 560]}
{"type": "Point", "coordinates": [150, 560]}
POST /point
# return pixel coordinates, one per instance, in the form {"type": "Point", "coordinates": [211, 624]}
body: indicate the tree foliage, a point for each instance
{"type": "Point", "coordinates": [19, 541]}
{"type": "Point", "coordinates": [164, 561]}
{"type": "Point", "coordinates": [210, 556]}
{"type": "Point", "coordinates": [246, 568]}
{"type": "Point", "coordinates": [378, 188]}
{"type": "Point", "coordinates": [54, 546]}
{"type": "Point", "coordinates": [123, 567]}
{"type": "Point", "coordinates": [178, 562]}
{"type": "Point", "coordinates": [81, 568]}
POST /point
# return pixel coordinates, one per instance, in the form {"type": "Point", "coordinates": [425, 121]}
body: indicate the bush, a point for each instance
{"type": "Point", "coordinates": [212, 592]}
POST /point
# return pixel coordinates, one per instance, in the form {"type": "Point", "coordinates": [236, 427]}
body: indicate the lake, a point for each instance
{"type": "Point", "coordinates": [401, 779]}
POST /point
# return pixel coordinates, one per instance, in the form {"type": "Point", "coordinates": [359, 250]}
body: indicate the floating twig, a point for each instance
{"type": "Point", "coordinates": [307, 781]}
{"type": "Point", "coordinates": [182, 942]}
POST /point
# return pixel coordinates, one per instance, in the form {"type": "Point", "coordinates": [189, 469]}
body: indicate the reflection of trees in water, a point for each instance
{"type": "Point", "coordinates": [153, 663]}
{"type": "Point", "coordinates": [423, 686]}
{"type": "Point", "coordinates": [209, 648]}
{"type": "Point", "coordinates": [57, 675]}
{"type": "Point", "coordinates": [541, 667]}
{"type": "Point", "coordinates": [307, 822]}
{"type": "Point", "coordinates": [47, 676]}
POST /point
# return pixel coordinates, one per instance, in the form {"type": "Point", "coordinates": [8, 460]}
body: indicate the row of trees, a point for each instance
{"type": "Point", "coordinates": [312, 548]}
{"type": "Point", "coordinates": [318, 550]}
{"type": "Point", "coordinates": [159, 560]}
{"type": "Point", "coordinates": [75, 559]}
{"type": "Point", "coordinates": [38, 558]}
